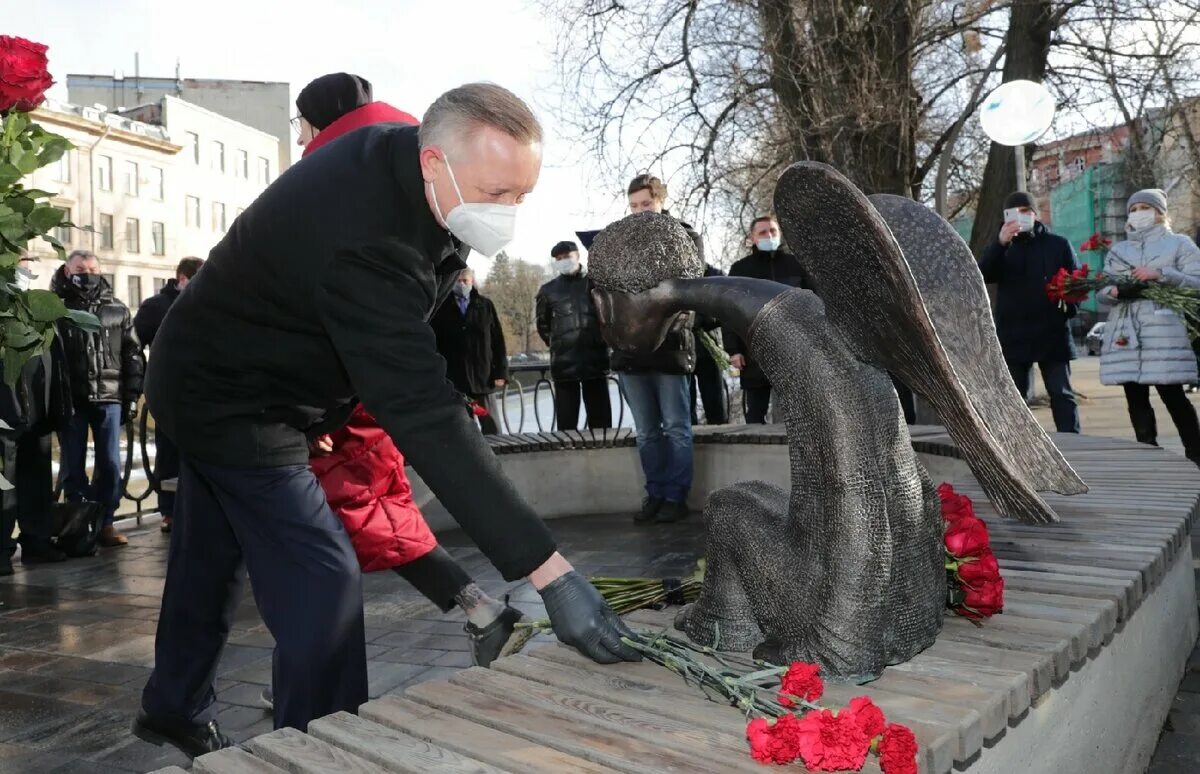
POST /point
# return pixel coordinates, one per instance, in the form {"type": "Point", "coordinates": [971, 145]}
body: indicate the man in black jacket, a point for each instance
{"type": "Point", "coordinates": [37, 405]}
{"type": "Point", "coordinates": [319, 297]}
{"type": "Point", "coordinates": [657, 387]}
{"type": "Point", "coordinates": [105, 371]}
{"type": "Point", "coordinates": [566, 321]}
{"type": "Point", "coordinates": [471, 340]}
{"type": "Point", "coordinates": [767, 260]}
{"type": "Point", "coordinates": [1031, 327]}
{"type": "Point", "coordinates": [146, 322]}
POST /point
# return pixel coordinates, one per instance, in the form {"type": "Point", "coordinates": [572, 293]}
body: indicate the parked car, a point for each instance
{"type": "Point", "coordinates": [1094, 337]}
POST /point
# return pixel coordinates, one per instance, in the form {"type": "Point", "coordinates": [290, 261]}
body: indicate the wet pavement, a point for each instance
{"type": "Point", "coordinates": [77, 640]}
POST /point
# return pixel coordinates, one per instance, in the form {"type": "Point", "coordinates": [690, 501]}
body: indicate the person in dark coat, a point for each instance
{"type": "Point", "coordinates": [566, 322]}
{"type": "Point", "coordinates": [657, 387]}
{"type": "Point", "coordinates": [318, 298]}
{"type": "Point", "coordinates": [767, 260]}
{"type": "Point", "coordinates": [146, 322]}
{"type": "Point", "coordinates": [708, 381]}
{"type": "Point", "coordinates": [36, 406]}
{"type": "Point", "coordinates": [471, 340]}
{"type": "Point", "coordinates": [105, 371]}
{"type": "Point", "coordinates": [1032, 328]}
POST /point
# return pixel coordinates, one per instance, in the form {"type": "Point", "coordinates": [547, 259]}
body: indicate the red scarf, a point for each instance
{"type": "Point", "coordinates": [371, 113]}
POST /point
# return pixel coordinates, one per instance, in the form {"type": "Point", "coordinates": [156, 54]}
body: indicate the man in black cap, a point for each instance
{"type": "Point", "coordinates": [1031, 327]}
{"type": "Point", "coordinates": [319, 297]}
{"type": "Point", "coordinates": [566, 321]}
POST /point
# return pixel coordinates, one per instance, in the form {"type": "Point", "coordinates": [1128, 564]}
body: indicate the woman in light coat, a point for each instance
{"type": "Point", "coordinates": [1144, 344]}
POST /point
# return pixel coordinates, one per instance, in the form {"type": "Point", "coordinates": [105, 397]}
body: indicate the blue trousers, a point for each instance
{"type": "Point", "coordinates": [104, 420]}
{"type": "Point", "coordinates": [306, 583]}
{"type": "Point", "coordinates": [661, 405]}
{"type": "Point", "coordinates": [1056, 376]}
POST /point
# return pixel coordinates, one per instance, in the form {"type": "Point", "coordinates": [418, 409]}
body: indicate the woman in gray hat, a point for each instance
{"type": "Point", "coordinates": [1144, 344]}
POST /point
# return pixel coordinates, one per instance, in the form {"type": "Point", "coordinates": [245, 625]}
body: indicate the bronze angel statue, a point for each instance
{"type": "Point", "coordinates": [844, 568]}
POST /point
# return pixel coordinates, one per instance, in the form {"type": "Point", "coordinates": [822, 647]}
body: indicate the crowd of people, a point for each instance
{"type": "Point", "coordinates": [333, 328]}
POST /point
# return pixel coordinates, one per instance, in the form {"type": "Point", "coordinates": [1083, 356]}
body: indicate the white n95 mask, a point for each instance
{"type": "Point", "coordinates": [485, 228]}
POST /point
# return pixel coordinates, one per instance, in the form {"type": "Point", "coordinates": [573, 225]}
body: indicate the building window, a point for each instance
{"type": "Point", "coordinates": [111, 279]}
{"type": "Point", "coordinates": [133, 235]}
{"type": "Point", "coordinates": [192, 212]}
{"type": "Point", "coordinates": [135, 291]}
{"type": "Point", "coordinates": [63, 233]}
{"type": "Point", "coordinates": [62, 168]}
{"type": "Point", "coordinates": [264, 170]}
{"type": "Point", "coordinates": [158, 183]}
{"type": "Point", "coordinates": [218, 217]}
{"type": "Point", "coordinates": [159, 284]}
{"type": "Point", "coordinates": [104, 173]}
{"type": "Point", "coordinates": [218, 159]}
{"type": "Point", "coordinates": [242, 169]}
{"type": "Point", "coordinates": [106, 231]}
{"type": "Point", "coordinates": [194, 141]}
{"type": "Point", "coordinates": [131, 178]}
{"type": "Point", "coordinates": [158, 239]}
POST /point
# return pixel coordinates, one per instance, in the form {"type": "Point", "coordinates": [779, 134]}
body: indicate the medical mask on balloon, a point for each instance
{"type": "Point", "coordinates": [1141, 220]}
{"type": "Point", "coordinates": [768, 244]}
{"type": "Point", "coordinates": [1024, 219]}
{"type": "Point", "coordinates": [485, 228]}
{"type": "Point", "coordinates": [566, 266]}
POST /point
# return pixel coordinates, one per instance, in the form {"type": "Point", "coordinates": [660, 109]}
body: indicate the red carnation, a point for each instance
{"type": "Point", "coordinates": [985, 599]}
{"type": "Point", "coordinates": [24, 77]}
{"type": "Point", "coordinates": [830, 742]}
{"type": "Point", "coordinates": [777, 743]}
{"type": "Point", "coordinates": [868, 716]}
{"type": "Point", "coordinates": [898, 750]}
{"type": "Point", "coordinates": [802, 680]}
{"type": "Point", "coordinates": [968, 536]}
{"type": "Point", "coordinates": [984, 569]}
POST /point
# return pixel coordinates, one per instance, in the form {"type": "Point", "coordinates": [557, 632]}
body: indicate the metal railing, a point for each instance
{"type": "Point", "coordinates": [542, 369]}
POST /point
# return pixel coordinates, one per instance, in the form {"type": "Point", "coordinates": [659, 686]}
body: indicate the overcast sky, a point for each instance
{"type": "Point", "coordinates": [410, 50]}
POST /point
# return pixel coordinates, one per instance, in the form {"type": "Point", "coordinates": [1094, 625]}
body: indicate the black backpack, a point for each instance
{"type": "Point", "coordinates": [76, 527]}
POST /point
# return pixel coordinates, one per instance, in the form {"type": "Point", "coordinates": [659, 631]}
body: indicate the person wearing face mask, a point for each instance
{"type": "Point", "coordinates": [1144, 344]}
{"type": "Point", "coordinates": [566, 322]}
{"type": "Point", "coordinates": [38, 404]}
{"type": "Point", "coordinates": [471, 340]}
{"type": "Point", "coordinates": [1032, 328]}
{"type": "Point", "coordinates": [317, 299]}
{"type": "Point", "coordinates": [105, 372]}
{"type": "Point", "coordinates": [767, 260]}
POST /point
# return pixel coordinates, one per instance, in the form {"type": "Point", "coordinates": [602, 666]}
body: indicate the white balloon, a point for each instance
{"type": "Point", "coordinates": [1017, 112]}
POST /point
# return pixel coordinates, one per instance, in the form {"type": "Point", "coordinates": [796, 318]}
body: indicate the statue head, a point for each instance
{"type": "Point", "coordinates": [632, 264]}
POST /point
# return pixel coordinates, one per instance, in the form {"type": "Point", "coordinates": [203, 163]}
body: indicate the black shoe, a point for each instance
{"type": "Point", "coordinates": [268, 698]}
{"type": "Point", "coordinates": [192, 740]}
{"type": "Point", "coordinates": [39, 554]}
{"type": "Point", "coordinates": [672, 512]}
{"type": "Point", "coordinates": [499, 638]}
{"type": "Point", "coordinates": [650, 508]}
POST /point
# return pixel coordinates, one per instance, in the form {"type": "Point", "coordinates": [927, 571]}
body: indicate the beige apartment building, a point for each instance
{"type": "Point", "coordinates": [148, 186]}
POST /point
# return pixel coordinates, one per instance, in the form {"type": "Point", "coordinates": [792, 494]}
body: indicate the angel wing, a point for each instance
{"type": "Point", "coordinates": [873, 299]}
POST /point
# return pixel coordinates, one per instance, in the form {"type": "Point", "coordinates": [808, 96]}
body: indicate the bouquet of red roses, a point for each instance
{"type": "Point", "coordinates": [975, 588]}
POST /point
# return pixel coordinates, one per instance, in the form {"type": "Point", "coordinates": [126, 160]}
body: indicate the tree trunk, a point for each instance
{"type": "Point", "coordinates": [1027, 44]}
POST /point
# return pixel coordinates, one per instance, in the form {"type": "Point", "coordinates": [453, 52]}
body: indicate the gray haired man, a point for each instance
{"type": "Point", "coordinates": [320, 298]}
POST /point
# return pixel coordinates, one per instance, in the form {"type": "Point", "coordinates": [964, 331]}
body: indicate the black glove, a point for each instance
{"type": "Point", "coordinates": [582, 619]}
{"type": "Point", "coordinates": [1131, 292]}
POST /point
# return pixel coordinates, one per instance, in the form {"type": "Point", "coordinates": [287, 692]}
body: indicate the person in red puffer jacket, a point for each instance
{"type": "Point", "coordinates": [358, 466]}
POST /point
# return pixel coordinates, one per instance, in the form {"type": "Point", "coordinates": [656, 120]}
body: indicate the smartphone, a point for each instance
{"type": "Point", "coordinates": [1014, 215]}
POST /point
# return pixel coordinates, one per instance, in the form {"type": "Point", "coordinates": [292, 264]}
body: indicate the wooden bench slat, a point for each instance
{"type": "Point", "coordinates": [299, 753]}
{"type": "Point", "coordinates": [232, 760]}
{"type": "Point", "coordinates": [392, 749]}
{"type": "Point", "coordinates": [472, 739]}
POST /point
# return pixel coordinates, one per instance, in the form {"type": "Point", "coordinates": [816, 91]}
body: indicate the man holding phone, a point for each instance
{"type": "Point", "coordinates": [1031, 327]}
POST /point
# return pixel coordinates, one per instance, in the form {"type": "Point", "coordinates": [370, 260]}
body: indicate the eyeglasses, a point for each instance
{"type": "Point", "coordinates": [295, 122]}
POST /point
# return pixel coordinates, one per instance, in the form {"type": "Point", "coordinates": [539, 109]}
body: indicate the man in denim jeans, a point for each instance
{"type": "Point", "coordinates": [657, 388]}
